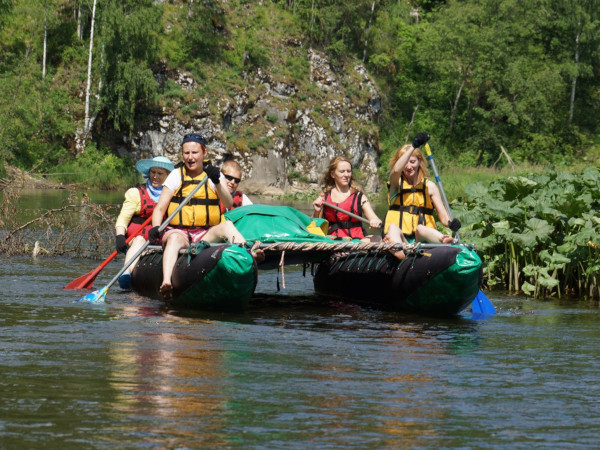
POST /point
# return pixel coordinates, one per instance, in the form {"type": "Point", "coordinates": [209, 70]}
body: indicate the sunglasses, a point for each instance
{"type": "Point", "coordinates": [230, 178]}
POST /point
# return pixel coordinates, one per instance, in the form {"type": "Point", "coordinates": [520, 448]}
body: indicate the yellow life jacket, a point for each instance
{"type": "Point", "coordinates": [410, 207]}
{"type": "Point", "coordinates": [202, 210]}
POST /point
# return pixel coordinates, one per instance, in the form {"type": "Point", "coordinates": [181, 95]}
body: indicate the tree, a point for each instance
{"type": "Point", "coordinates": [87, 123]}
{"type": "Point", "coordinates": [129, 35]}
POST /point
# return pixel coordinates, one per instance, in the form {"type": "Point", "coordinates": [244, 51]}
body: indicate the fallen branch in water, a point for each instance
{"type": "Point", "coordinates": [39, 219]}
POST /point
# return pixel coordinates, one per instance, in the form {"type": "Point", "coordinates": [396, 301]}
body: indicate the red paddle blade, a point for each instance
{"type": "Point", "coordinates": [85, 281]}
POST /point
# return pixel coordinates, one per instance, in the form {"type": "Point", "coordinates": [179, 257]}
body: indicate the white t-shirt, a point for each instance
{"type": "Point", "coordinates": [246, 200]}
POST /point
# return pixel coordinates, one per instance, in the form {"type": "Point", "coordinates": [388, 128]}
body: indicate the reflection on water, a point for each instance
{"type": "Point", "coordinates": [293, 371]}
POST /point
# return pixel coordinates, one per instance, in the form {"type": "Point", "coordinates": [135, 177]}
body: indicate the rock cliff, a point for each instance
{"type": "Point", "coordinates": [282, 132]}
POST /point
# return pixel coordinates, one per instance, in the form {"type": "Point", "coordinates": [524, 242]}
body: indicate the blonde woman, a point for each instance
{"type": "Point", "coordinates": [413, 197]}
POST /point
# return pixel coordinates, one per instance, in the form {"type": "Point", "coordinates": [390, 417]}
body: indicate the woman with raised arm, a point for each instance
{"type": "Point", "coordinates": [413, 197]}
{"type": "Point", "coordinates": [201, 218]}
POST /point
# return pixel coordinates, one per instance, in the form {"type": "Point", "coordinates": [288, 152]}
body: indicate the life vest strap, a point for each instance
{"type": "Point", "coordinates": [344, 224]}
{"type": "Point", "coordinates": [197, 201]}
{"type": "Point", "coordinates": [412, 209]}
{"type": "Point", "coordinates": [138, 220]}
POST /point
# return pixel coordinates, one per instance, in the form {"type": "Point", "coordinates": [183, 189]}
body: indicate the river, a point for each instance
{"type": "Point", "coordinates": [290, 372]}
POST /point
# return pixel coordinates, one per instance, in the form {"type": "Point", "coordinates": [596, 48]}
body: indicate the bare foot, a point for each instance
{"type": "Point", "coordinates": [447, 239]}
{"type": "Point", "coordinates": [257, 253]}
{"type": "Point", "coordinates": [166, 290]}
{"type": "Point", "coordinates": [398, 254]}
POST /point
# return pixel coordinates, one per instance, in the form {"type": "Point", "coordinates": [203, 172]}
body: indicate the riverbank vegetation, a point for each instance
{"type": "Point", "coordinates": [484, 78]}
{"type": "Point", "coordinates": [537, 233]}
{"type": "Point", "coordinates": [77, 228]}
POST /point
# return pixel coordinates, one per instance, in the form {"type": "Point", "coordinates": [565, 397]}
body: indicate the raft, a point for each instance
{"type": "Point", "coordinates": [219, 277]}
{"type": "Point", "coordinates": [440, 280]}
{"type": "Point", "coordinates": [433, 279]}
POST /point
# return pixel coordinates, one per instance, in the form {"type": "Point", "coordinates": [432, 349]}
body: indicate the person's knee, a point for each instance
{"type": "Point", "coordinates": [394, 232]}
{"type": "Point", "coordinates": [175, 240]}
{"type": "Point", "coordinates": [227, 230]}
{"type": "Point", "coordinates": [420, 231]}
{"type": "Point", "coordinates": [137, 241]}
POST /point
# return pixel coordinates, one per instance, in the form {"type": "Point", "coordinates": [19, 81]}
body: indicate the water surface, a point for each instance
{"type": "Point", "coordinates": [293, 371]}
{"type": "Point", "coordinates": [290, 372]}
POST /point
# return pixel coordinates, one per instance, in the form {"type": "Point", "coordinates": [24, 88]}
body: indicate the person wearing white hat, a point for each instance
{"type": "Point", "coordinates": [138, 206]}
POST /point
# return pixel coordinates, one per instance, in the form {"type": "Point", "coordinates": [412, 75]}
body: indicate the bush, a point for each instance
{"type": "Point", "coordinates": [98, 168]}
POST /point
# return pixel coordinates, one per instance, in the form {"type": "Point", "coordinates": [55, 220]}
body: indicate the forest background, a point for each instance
{"type": "Point", "coordinates": [488, 78]}
{"type": "Point", "coordinates": [480, 75]}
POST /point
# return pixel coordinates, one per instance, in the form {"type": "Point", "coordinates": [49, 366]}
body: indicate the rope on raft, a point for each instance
{"type": "Point", "coordinates": [340, 246]}
{"type": "Point", "coordinates": [410, 248]}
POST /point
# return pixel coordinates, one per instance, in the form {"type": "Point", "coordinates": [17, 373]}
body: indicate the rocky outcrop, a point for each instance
{"type": "Point", "coordinates": [282, 132]}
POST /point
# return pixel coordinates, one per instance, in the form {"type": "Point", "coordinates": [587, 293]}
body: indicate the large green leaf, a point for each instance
{"type": "Point", "coordinates": [554, 260]}
{"type": "Point", "coordinates": [528, 288]}
{"type": "Point", "coordinates": [541, 229]}
{"type": "Point", "coordinates": [517, 187]}
{"type": "Point", "coordinates": [476, 192]}
{"type": "Point", "coordinates": [525, 240]}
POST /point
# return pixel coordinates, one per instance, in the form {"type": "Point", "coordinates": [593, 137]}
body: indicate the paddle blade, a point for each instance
{"type": "Point", "coordinates": [482, 305]}
{"type": "Point", "coordinates": [95, 297]}
{"type": "Point", "coordinates": [84, 281]}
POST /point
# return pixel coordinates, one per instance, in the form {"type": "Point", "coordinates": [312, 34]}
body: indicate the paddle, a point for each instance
{"type": "Point", "coordinates": [87, 281]}
{"type": "Point", "coordinates": [100, 295]}
{"type": "Point", "coordinates": [348, 213]}
{"type": "Point", "coordinates": [481, 304]}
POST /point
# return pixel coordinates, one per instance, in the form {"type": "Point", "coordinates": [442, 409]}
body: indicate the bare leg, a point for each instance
{"type": "Point", "coordinates": [371, 238]}
{"type": "Point", "coordinates": [427, 234]}
{"type": "Point", "coordinates": [173, 243]}
{"type": "Point", "coordinates": [394, 236]}
{"type": "Point", "coordinates": [227, 231]}
{"type": "Point", "coordinates": [135, 244]}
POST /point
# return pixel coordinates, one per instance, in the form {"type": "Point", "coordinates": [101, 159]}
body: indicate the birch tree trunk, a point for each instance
{"type": "Point", "coordinates": [574, 83]}
{"type": "Point", "coordinates": [82, 135]}
{"type": "Point", "coordinates": [45, 39]}
{"type": "Point", "coordinates": [367, 30]}
{"type": "Point", "coordinates": [87, 125]}
{"type": "Point", "coordinates": [455, 106]}
{"type": "Point", "coordinates": [78, 18]}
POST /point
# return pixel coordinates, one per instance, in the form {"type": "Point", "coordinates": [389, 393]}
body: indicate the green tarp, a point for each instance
{"type": "Point", "coordinates": [269, 224]}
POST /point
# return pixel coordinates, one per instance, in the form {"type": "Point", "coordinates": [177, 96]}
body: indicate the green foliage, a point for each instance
{"type": "Point", "coordinates": [129, 44]}
{"type": "Point", "coordinates": [203, 30]}
{"type": "Point", "coordinates": [537, 233]}
{"type": "Point", "coordinates": [97, 168]}
{"type": "Point", "coordinates": [337, 25]}
{"type": "Point", "coordinates": [475, 74]}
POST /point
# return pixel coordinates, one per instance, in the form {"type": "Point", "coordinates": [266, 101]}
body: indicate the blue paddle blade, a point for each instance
{"type": "Point", "coordinates": [482, 305]}
{"type": "Point", "coordinates": [95, 297]}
